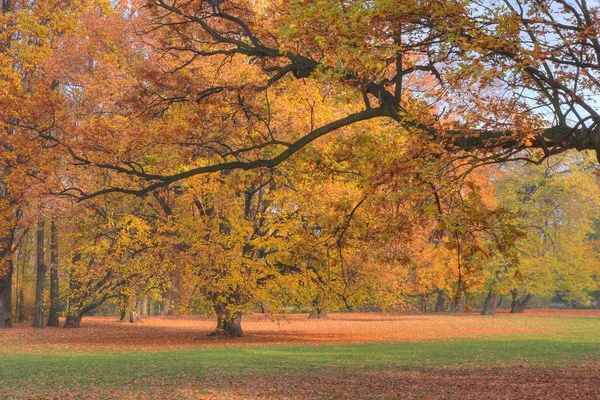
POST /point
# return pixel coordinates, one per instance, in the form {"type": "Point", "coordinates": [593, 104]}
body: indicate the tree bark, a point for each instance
{"type": "Point", "coordinates": [423, 303]}
{"type": "Point", "coordinates": [6, 273]}
{"type": "Point", "coordinates": [489, 307]}
{"type": "Point", "coordinates": [519, 305]}
{"type": "Point", "coordinates": [318, 314]}
{"type": "Point", "coordinates": [131, 313]}
{"type": "Point", "coordinates": [440, 304]}
{"type": "Point", "coordinates": [38, 319]}
{"type": "Point", "coordinates": [228, 323]}
{"type": "Point", "coordinates": [233, 326]}
{"type": "Point", "coordinates": [20, 306]}
{"type": "Point", "coordinates": [143, 307]}
{"type": "Point", "coordinates": [54, 289]}
{"type": "Point", "coordinates": [319, 311]}
{"type": "Point", "coordinates": [22, 260]}
{"type": "Point", "coordinates": [5, 297]}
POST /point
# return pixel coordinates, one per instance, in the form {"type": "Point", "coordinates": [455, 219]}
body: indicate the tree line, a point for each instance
{"type": "Point", "coordinates": [318, 153]}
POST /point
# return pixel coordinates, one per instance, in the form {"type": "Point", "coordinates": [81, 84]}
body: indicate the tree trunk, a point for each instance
{"type": "Point", "coordinates": [164, 308]}
{"type": "Point", "coordinates": [20, 306]}
{"type": "Point", "coordinates": [233, 326]}
{"type": "Point", "coordinates": [514, 305]}
{"type": "Point", "coordinates": [318, 314]}
{"type": "Point", "coordinates": [265, 308]}
{"type": "Point", "coordinates": [134, 315]}
{"type": "Point", "coordinates": [318, 311]}
{"type": "Point", "coordinates": [228, 324]}
{"type": "Point", "coordinates": [518, 306]}
{"type": "Point", "coordinates": [440, 304]}
{"type": "Point", "coordinates": [74, 315]}
{"type": "Point", "coordinates": [144, 307]}
{"type": "Point", "coordinates": [6, 274]}
{"type": "Point", "coordinates": [5, 297]}
{"type": "Point", "coordinates": [423, 303]}
{"type": "Point", "coordinates": [500, 301]}
{"type": "Point", "coordinates": [38, 319]}
{"type": "Point", "coordinates": [74, 319]}
{"type": "Point", "coordinates": [6, 243]}
{"type": "Point", "coordinates": [54, 290]}
{"type": "Point", "coordinates": [489, 307]}
{"type": "Point", "coordinates": [124, 309]}
{"type": "Point", "coordinates": [131, 312]}
{"type": "Point", "coordinates": [525, 303]}
{"type": "Point", "coordinates": [19, 267]}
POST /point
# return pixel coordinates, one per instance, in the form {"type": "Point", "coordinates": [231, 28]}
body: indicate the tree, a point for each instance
{"type": "Point", "coordinates": [40, 285]}
{"type": "Point", "coordinates": [53, 313]}
{"type": "Point", "coordinates": [555, 204]}
{"type": "Point", "coordinates": [393, 105]}
{"type": "Point", "coordinates": [29, 105]}
{"type": "Point", "coordinates": [406, 66]}
{"type": "Point", "coordinates": [115, 254]}
{"type": "Point", "coordinates": [6, 243]}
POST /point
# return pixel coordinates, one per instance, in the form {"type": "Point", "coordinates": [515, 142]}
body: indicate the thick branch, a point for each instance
{"type": "Point", "coordinates": [165, 180]}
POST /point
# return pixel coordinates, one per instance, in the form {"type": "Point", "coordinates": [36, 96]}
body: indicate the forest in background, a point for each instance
{"type": "Point", "coordinates": [224, 157]}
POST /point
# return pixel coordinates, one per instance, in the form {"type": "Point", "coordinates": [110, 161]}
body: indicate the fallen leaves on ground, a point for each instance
{"type": "Point", "coordinates": [166, 333]}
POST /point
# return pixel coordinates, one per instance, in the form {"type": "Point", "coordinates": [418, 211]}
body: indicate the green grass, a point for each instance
{"type": "Point", "coordinates": [566, 340]}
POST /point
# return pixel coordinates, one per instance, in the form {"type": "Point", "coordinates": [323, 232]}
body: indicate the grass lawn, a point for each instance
{"type": "Point", "coordinates": [545, 357]}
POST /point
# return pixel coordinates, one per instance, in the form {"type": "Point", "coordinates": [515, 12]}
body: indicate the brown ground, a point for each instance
{"type": "Point", "coordinates": [162, 333]}
{"type": "Point", "coordinates": [451, 383]}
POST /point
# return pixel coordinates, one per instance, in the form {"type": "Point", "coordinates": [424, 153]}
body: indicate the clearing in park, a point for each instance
{"type": "Point", "coordinates": [545, 354]}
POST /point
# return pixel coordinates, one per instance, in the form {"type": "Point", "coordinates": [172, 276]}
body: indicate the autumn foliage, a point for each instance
{"type": "Point", "coordinates": [226, 157]}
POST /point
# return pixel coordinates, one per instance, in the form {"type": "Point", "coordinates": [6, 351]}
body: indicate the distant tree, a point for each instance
{"type": "Point", "coordinates": [54, 311]}
{"type": "Point", "coordinates": [40, 277]}
{"type": "Point", "coordinates": [556, 205]}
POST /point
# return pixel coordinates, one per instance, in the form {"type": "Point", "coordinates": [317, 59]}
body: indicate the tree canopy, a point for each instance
{"type": "Point", "coordinates": [274, 145]}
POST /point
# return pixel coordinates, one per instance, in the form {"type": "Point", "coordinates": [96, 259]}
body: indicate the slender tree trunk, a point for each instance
{"type": "Point", "coordinates": [38, 319]}
{"type": "Point", "coordinates": [440, 304]}
{"type": "Point", "coordinates": [489, 307]}
{"type": "Point", "coordinates": [54, 289]}
{"type": "Point", "coordinates": [500, 301]}
{"type": "Point", "coordinates": [5, 297]}
{"type": "Point", "coordinates": [6, 243]}
{"type": "Point", "coordinates": [20, 306]}
{"type": "Point", "coordinates": [144, 307]}
{"type": "Point", "coordinates": [22, 257]}
{"type": "Point", "coordinates": [318, 311]}
{"type": "Point", "coordinates": [19, 267]}
{"type": "Point", "coordinates": [424, 303]}
{"type": "Point", "coordinates": [515, 301]}
{"type": "Point", "coordinates": [265, 308]}
{"type": "Point", "coordinates": [6, 274]}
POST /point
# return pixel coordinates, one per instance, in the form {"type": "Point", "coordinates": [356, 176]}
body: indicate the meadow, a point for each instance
{"type": "Point", "coordinates": [543, 354]}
